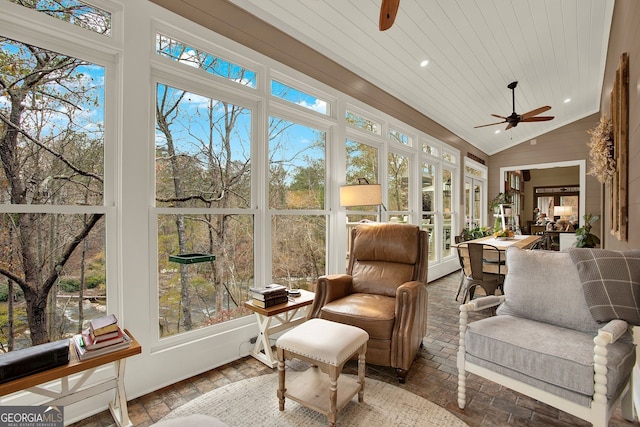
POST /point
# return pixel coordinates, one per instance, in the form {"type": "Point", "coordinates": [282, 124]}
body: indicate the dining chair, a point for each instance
{"type": "Point", "coordinates": [459, 239]}
{"type": "Point", "coordinates": [479, 253]}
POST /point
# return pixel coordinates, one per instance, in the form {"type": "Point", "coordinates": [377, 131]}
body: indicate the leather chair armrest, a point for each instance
{"type": "Point", "coordinates": [330, 288]}
{"type": "Point", "coordinates": [411, 303]}
{"type": "Point", "coordinates": [411, 323]}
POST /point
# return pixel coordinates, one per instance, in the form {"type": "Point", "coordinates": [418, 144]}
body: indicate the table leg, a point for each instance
{"type": "Point", "coordinates": [262, 348]}
{"type": "Point", "coordinates": [118, 406]}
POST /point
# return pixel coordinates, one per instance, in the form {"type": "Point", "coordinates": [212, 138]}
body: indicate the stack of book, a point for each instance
{"type": "Point", "coordinates": [269, 296]}
{"type": "Point", "coordinates": [101, 337]}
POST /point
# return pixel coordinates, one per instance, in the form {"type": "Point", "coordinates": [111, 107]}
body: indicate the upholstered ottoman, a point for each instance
{"type": "Point", "coordinates": [327, 346]}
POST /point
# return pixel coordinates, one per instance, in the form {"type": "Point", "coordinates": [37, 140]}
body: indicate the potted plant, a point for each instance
{"type": "Point", "coordinates": [584, 238]}
{"type": "Point", "coordinates": [500, 199]}
{"type": "Point", "coordinates": [475, 233]}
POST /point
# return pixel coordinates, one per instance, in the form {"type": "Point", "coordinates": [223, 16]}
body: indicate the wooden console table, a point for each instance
{"type": "Point", "coordinates": [67, 394]}
{"type": "Point", "coordinates": [285, 314]}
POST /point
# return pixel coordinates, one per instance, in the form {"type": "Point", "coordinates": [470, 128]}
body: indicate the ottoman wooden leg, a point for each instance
{"type": "Point", "coordinates": [332, 416]}
{"type": "Point", "coordinates": [361, 369]}
{"type": "Point", "coordinates": [281, 379]}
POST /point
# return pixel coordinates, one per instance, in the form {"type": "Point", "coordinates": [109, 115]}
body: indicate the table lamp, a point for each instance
{"type": "Point", "coordinates": [563, 212]}
{"type": "Point", "coordinates": [361, 194]}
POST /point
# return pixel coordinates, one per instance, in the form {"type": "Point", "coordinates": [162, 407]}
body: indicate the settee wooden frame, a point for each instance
{"type": "Point", "coordinates": [600, 410]}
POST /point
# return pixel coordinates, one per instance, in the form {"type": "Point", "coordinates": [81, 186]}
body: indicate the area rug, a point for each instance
{"type": "Point", "coordinates": [253, 402]}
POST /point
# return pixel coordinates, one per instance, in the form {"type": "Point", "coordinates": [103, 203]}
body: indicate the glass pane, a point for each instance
{"type": "Point", "coordinates": [448, 157]}
{"type": "Point", "coordinates": [546, 204]}
{"type": "Point", "coordinates": [57, 157]}
{"type": "Point", "coordinates": [361, 162]}
{"type": "Point", "coordinates": [446, 233]}
{"type": "Point", "coordinates": [76, 12]}
{"type": "Point", "coordinates": [195, 290]}
{"type": "Point", "coordinates": [428, 187]}
{"type": "Point", "coordinates": [573, 202]}
{"type": "Point", "coordinates": [48, 258]}
{"type": "Point", "coordinates": [428, 149]}
{"type": "Point", "coordinates": [447, 186]}
{"type": "Point", "coordinates": [358, 121]}
{"type": "Point", "coordinates": [398, 182]}
{"type": "Point", "coordinates": [468, 205]}
{"type": "Point", "coordinates": [185, 54]}
{"type": "Point", "coordinates": [428, 224]}
{"type": "Point", "coordinates": [299, 250]}
{"type": "Point", "coordinates": [202, 151]}
{"type": "Point", "coordinates": [473, 171]}
{"type": "Point", "coordinates": [477, 197]}
{"type": "Point", "coordinates": [399, 137]}
{"type": "Point", "coordinates": [298, 97]}
{"type": "Point", "coordinates": [296, 166]}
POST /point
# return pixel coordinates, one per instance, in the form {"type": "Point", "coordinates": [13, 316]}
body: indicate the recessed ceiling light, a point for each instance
{"type": "Point", "coordinates": [424, 63]}
{"type": "Point", "coordinates": [568, 100]}
{"type": "Point", "coordinates": [497, 132]}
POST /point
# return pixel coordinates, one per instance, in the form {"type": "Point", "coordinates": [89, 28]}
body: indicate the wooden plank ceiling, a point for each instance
{"type": "Point", "coordinates": [555, 49]}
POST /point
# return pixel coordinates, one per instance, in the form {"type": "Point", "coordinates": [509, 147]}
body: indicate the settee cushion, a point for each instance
{"type": "Point", "coordinates": [532, 289]}
{"type": "Point", "coordinates": [611, 282]}
{"type": "Point", "coordinates": [552, 358]}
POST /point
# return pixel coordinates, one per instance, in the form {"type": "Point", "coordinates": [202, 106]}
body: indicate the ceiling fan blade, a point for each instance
{"type": "Point", "coordinates": [500, 117]}
{"type": "Point", "coordinates": [535, 112]}
{"type": "Point", "coordinates": [510, 126]}
{"type": "Point", "coordinates": [388, 12]}
{"type": "Point", "coordinates": [538, 119]}
{"type": "Point", "coordinates": [490, 124]}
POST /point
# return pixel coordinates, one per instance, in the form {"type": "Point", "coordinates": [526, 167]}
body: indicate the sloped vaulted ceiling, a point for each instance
{"type": "Point", "coordinates": [555, 49]}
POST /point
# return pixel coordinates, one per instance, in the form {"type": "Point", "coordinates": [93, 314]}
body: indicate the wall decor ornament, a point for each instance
{"type": "Point", "coordinates": [618, 196]}
{"type": "Point", "coordinates": [601, 151]}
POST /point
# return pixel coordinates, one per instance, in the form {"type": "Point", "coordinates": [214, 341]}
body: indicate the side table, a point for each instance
{"type": "Point", "coordinates": [288, 315]}
{"type": "Point", "coordinates": [68, 394]}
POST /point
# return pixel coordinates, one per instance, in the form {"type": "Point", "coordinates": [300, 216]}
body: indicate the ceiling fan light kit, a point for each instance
{"type": "Point", "coordinates": [514, 118]}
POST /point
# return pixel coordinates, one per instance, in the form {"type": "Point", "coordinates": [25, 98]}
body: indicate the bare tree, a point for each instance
{"type": "Point", "coordinates": [39, 84]}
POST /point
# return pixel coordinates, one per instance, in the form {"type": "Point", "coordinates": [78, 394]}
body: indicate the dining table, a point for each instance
{"type": "Point", "coordinates": [502, 244]}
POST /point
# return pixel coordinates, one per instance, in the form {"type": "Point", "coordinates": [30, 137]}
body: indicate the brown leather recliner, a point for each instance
{"type": "Point", "coordinates": [383, 292]}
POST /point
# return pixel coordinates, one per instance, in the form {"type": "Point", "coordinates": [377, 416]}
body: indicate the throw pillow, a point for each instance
{"type": "Point", "coordinates": [611, 283]}
{"type": "Point", "coordinates": [544, 286]}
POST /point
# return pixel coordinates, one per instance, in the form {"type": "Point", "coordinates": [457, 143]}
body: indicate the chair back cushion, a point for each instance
{"type": "Point", "coordinates": [384, 256]}
{"type": "Point", "coordinates": [544, 286]}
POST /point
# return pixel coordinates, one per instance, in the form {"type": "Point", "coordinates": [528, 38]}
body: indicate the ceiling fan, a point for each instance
{"type": "Point", "coordinates": [388, 12]}
{"type": "Point", "coordinates": [514, 118]}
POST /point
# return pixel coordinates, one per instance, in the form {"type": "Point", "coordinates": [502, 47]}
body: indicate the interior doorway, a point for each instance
{"type": "Point", "coordinates": [550, 173]}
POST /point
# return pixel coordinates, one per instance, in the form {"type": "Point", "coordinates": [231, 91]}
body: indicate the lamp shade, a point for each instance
{"type": "Point", "coordinates": [361, 195]}
{"type": "Point", "coordinates": [562, 211]}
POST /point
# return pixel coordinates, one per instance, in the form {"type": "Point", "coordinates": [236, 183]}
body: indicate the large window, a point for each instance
{"type": "Point", "coordinates": [202, 162]}
{"type": "Point", "coordinates": [52, 190]}
{"type": "Point", "coordinates": [296, 181]}
{"type": "Point", "coordinates": [439, 201]}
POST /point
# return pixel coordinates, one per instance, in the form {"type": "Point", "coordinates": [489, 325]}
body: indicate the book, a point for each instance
{"type": "Point", "coordinates": [85, 354]}
{"type": "Point", "coordinates": [103, 325]}
{"type": "Point", "coordinates": [270, 295]}
{"type": "Point", "coordinates": [104, 337]}
{"type": "Point", "coordinates": [91, 343]}
{"type": "Point", "coordinates": [270, 303]}
{"type": "Point", "coordinates": [268, 289]}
